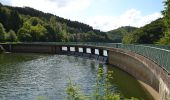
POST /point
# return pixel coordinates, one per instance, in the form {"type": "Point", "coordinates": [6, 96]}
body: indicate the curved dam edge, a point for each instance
{"type": "Point", "coordinates": [150, 90]}
{"type": "Point", "coordinates": [152, 76]}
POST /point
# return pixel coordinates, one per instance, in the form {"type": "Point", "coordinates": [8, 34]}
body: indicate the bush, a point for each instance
{"type": "Point", "coordinates": [102, 90]}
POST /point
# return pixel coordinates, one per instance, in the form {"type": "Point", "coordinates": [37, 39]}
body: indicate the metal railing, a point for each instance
{"type": "Point", "coordinates": [158, 55]}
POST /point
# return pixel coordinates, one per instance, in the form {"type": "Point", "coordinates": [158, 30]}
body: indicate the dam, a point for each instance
{"type": "Point", "coordinates": [152, 71]}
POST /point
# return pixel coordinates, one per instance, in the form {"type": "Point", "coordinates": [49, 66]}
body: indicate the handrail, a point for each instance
{"type": "Point", "coordinates": [158, 55]}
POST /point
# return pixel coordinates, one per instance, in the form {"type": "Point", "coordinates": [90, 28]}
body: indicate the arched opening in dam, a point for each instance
{"type": "Point", "coordinates": [26, 76]}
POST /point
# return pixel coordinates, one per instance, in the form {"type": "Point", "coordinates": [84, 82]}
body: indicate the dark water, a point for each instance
{"type": "Point", "coordinates": [34, 76]}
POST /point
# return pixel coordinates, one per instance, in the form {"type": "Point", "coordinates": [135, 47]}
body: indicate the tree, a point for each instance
{"type": "Point", "coordinates": [65, 35]}
{"type": "Point", "coordinates": [14, 21]}
{"type": "Point", "coordinates": [23, 35]}
{"type": "Point", "coordinates": [33, 29]}
{"type": "Point", "coordinates": [11, 36]}
{"type": "Point", "coordinates": [10, 19]}
{"type": "Point", "coordinates": [2, 33]}
{"type": "Point", "coordinates": [55, 29]}
{"type": "Point", "coordinates": [32, 25]}
{"type": "Point", "coordinates": [38, 33]}
{"type": "Point", "coordinates": [166, 13]}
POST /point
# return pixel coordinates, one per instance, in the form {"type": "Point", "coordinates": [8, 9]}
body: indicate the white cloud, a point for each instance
{"type": "Point", "coordinates": [131, 17]}
{"type": "Point", "coordinates": [58, 7]}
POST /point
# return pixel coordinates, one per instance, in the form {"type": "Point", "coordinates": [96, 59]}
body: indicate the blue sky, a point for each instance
{"type": "Point", "coordinates": [101, 14]}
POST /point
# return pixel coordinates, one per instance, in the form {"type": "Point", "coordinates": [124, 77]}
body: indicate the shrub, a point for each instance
{"type": "Point", "coordinates": [102, 90]}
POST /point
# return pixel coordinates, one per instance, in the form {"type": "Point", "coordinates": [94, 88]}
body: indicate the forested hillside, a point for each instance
{"type": "Point", "coordinates": [118, 34]}
{"type": "Point", "coordinates": [157, 32]}
{"type": "Point", "coordinates": [30, 25]}
{"type": "Point", "coordinates": [148, 34]}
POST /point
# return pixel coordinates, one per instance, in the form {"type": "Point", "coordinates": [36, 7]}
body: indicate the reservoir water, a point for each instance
{"type": "Point", "coordinates": [31, 76]}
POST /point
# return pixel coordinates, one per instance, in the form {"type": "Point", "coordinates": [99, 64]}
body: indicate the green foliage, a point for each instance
{"type": "Point", "coordinates": [14, 21]}
{"type": "Point", "coordinates": [130, 38]}
{"type": "Point", "coordinates": [11, 36]}
{"type": "Point", "coordinates": [10, 19]}
{"type": "Point", "coordinates": [165, 40]}
{"type": "Point", "coordinates": [117, 34]}
{"type": "Point", "coordinates": [148, 34]}
{"type": "Point", "coordinates": [166, 19]}
{"type": "Point", "coordinates": [102, 90]}
{"type": "Point", "coordinates": [40, 98]}
{"type": "Point", "coordinates": [33, 29]}
{"type": "Point", "coordinates": [2, 33]}
{"type": "Point", "coordinates": [33, 25]}
{"type": "Point", "coordinates": [74, 93]}
{"type": "Point", "coordinates": [23, 35]}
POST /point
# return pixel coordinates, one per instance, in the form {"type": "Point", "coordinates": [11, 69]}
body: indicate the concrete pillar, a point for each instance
{"type": "Point", "coordinates": [58, 49]}
{"type": "Point", "coordinates": [76, 49]}
{"type": "Point", "coordinates": [84, 49]}
{"type": "Point", "coordinates": [53, 51]}
{"type": "Point", "coordinates": [68, 48]}
{"type": "Point", "coordinates": [93, 51]}
{"type": "Point", "coordinates": [100, 52]}
{"type": "Point", "coordinates": [10, 48]}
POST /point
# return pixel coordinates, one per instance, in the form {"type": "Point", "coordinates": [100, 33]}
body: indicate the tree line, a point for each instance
{"type": "Point", "coordinates": [30, 25]}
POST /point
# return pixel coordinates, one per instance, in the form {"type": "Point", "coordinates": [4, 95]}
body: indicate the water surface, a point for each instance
{"type": "Point", "coordinates": [30, 76]}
